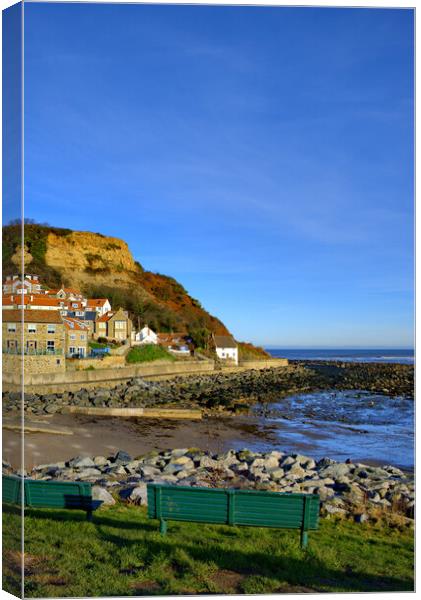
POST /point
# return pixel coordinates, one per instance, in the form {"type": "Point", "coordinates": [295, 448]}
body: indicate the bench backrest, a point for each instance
{"type": "Point", "coordinates": [233, 507]}
{"type": "Point", "coordinates": [11, 489]}
{"type": "Point", "coordinates": [47, 494]}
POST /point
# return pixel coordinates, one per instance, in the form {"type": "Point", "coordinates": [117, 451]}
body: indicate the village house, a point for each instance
{"type": "Point", "coordinates": [100, 305]}
{"type": "Point", "coordinates": [14, 284]}
{"type": "Point", "coordinates": [43, 332]}
{"type": "Point", "coordinates": [30, 302]}
{"type": "Point", "coordinates": [66, 294]}
{"type": "Point", "coordinates": [87, 317]}
{"type": "Point", "coordinates": [226, 348]}
{"type": "Point", "coordinates": [76, 338]}
{"type": "Point", "coordinates": [114, 325]}
{"type": "Point", "coordinates": [145, 336]}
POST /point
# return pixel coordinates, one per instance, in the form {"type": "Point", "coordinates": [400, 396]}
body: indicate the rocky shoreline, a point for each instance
{"type": "Point", "coordinates": [230, 391]}
{"type": "Point", "coordinates": [350, 490]}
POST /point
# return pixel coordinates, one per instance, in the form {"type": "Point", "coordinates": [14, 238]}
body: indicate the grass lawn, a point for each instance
{"type": "Point", "coordinates": [122, 553]}
{"type": "Point", "coordinates": [148, 352]}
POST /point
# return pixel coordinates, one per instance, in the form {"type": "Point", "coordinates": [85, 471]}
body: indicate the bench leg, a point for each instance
{"type": "Point", "coordinates": [304, 538]}
{"type": "Point", "coordinates": [89, 515]}
{"type": "Point", "coordinates": [162, 527]}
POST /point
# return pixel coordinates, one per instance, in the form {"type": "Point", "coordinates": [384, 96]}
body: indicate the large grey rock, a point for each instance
{"type": "Point", "coordinates": [99, 493]}
{"type": "Point", "coordinates": [139, 495]}
{"type": "Point", "coordinates": [335, 471]}
{"type": "Point", "coordinates": [325, 493]}
{"type": "Point", "coordinates": [276, 474]}
{"type": "Point", "coordinates": [89, 473]}
{"type": "Point", "coordinates": [132, 467]}
{"type": "Point", "coordinates": [81, 462]}
{"type": "Point", "coordinates": [149, 471]}
{"type": "Point", "coordinates": [115, 470]}
{"type": "Point", "coordinates": [270, 463]}
{"type": "Point", "coordinates": [101, 461]}
{"type": "Point", "coordinates": [295, 470]}
{"type": "Point", "coordinates": [184, 461]}
{"type": "Point", "coordinates": [178, 452]}
{"type": "Point", "coordinates": [122, 457]}
{"type": "Point", "coordinates": [172, 469]}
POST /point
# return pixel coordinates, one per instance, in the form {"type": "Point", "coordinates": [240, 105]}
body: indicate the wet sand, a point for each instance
{"type": "Point", "coordinates": [104, 436]}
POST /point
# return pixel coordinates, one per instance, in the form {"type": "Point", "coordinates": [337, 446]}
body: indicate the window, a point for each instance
{"type": "Point", "coordinates": [82, 337]}
{"type": "Point", "coordinates": [72, 336]}
{"type": "Point", "coordinates": [50, 346]}
{"type": "Point", "coordinates": [120, 324]}
{"type": "Point", "coordinates": [51, 328]}
{"type": "Point", "coordinates": [32, 328]}
{"type": "Point", "coordinates": [81, 351]}
{"type": "Point", "coordinates": [72, 350]}
{"type": "Point", "coordinates": [11, 328]}
{"type": "Point", "coordinates": [74, 305]}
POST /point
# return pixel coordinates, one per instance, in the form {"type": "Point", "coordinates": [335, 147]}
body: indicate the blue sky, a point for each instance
{"type": "Point", "coordinates": [262, 156]}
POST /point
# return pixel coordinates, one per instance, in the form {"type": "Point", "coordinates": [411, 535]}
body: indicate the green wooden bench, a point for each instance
{"type": "Point", "coordinates": [234, 507]}
{"type": "Point", "coordinates": [49, 494]}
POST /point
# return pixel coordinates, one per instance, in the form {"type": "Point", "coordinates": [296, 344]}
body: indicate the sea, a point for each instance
{"type": "Point", "coordinates": [399, 355]}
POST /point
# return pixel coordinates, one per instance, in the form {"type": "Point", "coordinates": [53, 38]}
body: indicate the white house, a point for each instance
{"type": "Point", "coordinates": [226, 347]}
{"type": "Point", "coordinates": [100, 305]}
{"type": "Point", "coordinates": [145, 336]}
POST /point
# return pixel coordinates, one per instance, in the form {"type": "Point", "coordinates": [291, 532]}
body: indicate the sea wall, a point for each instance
{"type": "Point", "coordinates": [264, 364]}
{"type": "Point", "coordinates": [65, 381]}
{"type": "Point", "coordinates": [43, 366]}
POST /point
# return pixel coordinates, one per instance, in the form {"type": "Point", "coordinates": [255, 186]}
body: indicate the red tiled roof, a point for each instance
{"type": "Point", "coordinates": [32, 316]}
{"type": "Point", "coordinates": [29, 299]}
{"type": "Point", "coordinates": [105, 317]}
{"type": "Point", "coordinates": [96, 301]}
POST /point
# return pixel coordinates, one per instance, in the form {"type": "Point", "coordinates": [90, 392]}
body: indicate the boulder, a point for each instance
{"type": "Point", "coordinates": [101, 461]}
{"type": "Point", "coordinates": [81, 462]}
{"type": "Point", "coordinates": [335, 471]}
{"type": "Point", "coordinates": [183, 461]}
{"type": "Point", "coordinates": [99, 493]}
{"type": "Point", "coordinates": [89, 473]}
{"type": "Point", "coordinates": [276, 474]}
{"type": "Point", "coordinates": [178, 452]}
{"type": "Point", "coordinates": [139, 495]}
{"type": "Point", "coordinates": [122, 457]}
